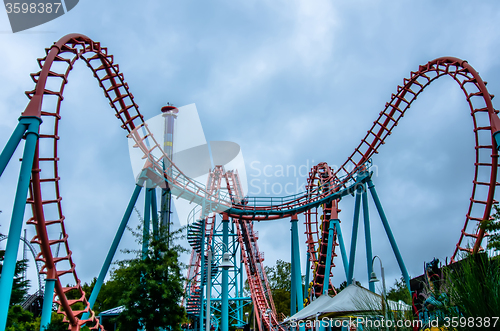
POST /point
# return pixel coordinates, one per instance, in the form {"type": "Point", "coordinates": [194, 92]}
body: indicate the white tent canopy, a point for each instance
{"type": "Point", "coordinates": [311, 309]}
{"type": "Point", "coordinates": [353, 299]}
{"type": "Point", "coordinates": [357, 299]}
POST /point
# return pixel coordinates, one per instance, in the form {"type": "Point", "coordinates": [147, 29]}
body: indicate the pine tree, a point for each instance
{"type": "Point", "coordinates": [20, 286]}
{"type": "Point", "coordinates": [154, 286]}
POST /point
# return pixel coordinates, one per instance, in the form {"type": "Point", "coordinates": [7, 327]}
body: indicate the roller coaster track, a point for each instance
{"type": "Point", "coordinates": [38, 264]}
{"type": "Point", "coordinates": [317, 229]}
{"type": "Point", "coordinates": [251, 256]}
{"type": "Point", "coordinates": [46, 204]}
{"type": "Point", "coordinates": [486, 124]}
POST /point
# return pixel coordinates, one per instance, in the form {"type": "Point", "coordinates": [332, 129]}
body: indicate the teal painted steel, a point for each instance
{"type": "Point", "coordinates": [388, 230]}
{"type": "Point", "coordinates": [354, 236]}
{"type": "Point", "coordinates": [11, 145]}
{"type": "Point", "coordinates": [16, 223]}
{"type": "Point", "coordinates": [147, 219]}
{"type": "Point", "coordinates": [225, 279]}
{"type": "Point", "coordinates": [368, 238]}
{"type": "Point", "coordinates": [278, 210]}
{"type": "Point", "coordinates": [308, 272]}
{"type": "Point", "coordinates": [202, 266]}
{"type": "Point", "coordinates": [113, 248]}
{"type": "Point", "coordinates": [293, 295]}
{"type": "Point", "coordinates": [340, 239]}
{"type": "Point", "coordinates": [47, 303]}
{"type": "Point", "coordinates": [154, 213]}
{"type": "Point", "coordinates": [326, 278]}
{"type": "Point", "coordinates": [296, 265]}
{"type": "Point", "coordinates": [496, 136]}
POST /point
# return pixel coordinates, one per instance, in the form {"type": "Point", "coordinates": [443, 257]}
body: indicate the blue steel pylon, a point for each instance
{"type": "Point", "coordinates": [28, 127]}
{"type": "Point", "coordinates": [225, 240]}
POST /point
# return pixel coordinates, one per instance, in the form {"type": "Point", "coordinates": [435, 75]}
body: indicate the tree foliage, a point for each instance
{"type": "Point", "coordinates": [492, 226]}
{"type": "Point", "coordinates": [399, 292]}
{"type": "Point", "coordinates": [153, 285]}
{"type": "Point", "coordinates": [343, 285]}
{"type": "Point", "coordinates": [280, 277]}
{"type": "Point", "coordinates": [20, 320]}
{"type": "Point", "coordinates": [20, 286]}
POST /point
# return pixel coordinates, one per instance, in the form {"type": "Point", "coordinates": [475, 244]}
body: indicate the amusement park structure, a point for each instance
{"type": "Point", "coordinates": [223, 222]}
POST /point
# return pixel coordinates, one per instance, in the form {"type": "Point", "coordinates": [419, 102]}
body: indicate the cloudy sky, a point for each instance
{"type": "Point", "coordinates": [293, 82]}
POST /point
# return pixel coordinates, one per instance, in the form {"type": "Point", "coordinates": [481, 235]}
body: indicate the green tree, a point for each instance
{"type": "Point", "coordinates": [56, 323]}
{"type": "Point", "coordinates": [154, 285]}
{"type": "Point", "coordinates": [399, 292]}
{"type": "Point", "coordinates": [20, 286]}
{"type": "Point", "coordinates": [492, 226]}
{"type": "Point", "coordinates": [279, 277]}
{"type": "Point", "coordinates": [343, 285]}
{"type": "Point", "coordinates": [20, 320]}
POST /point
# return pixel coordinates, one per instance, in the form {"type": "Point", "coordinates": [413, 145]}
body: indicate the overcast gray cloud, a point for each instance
{"type": "Point", "coordinates": [292, 82]}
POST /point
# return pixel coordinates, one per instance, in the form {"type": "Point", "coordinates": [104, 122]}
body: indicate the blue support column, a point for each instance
{"type": "Point", "coordinates": [354, 236]}
{"type": "Point", "coordinates": [308, 272]}
{"type": "Point", "coordinates": [388, 230]}
{"type": "Point", "coordinates": [202, 271]}
{"type": "Point", "coordinates": [225, 280]}
{"type": "Point", "coordinates": [326, 279]}
{"type": "Point", "coordinates": [340, 239]}
{"type": "Point", "coordinates": [145, 229]}
{"type": "Point", "coordinates": [293, 295]}
{"type": "Point", "coordinates": [241, 284]}
{"type": "Point", "coordinates": [11, 145]}
{"type": "Point", "coordinates": [296, 265]}
{"type": "Point", "coordinates": [113, 248]}
{"type": "Point", "coordinates": [47, 303]}
{"type": "Point", "coordinates": [368, 239]}
{"type": "Point", "coordinates": [154, 213]}
{"type": "Point", "coordinates": [16, 223]}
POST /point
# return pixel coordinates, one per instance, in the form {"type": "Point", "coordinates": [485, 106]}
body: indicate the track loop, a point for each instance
{"type": "Point", "coordinates": [317, 222]}
{"type": "Point", "coordinates": [46, 204]}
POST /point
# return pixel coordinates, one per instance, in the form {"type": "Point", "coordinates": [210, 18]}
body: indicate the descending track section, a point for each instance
{"type": "Point", "coordinates": [486, 126]}
{"type": "Point", "coordinates": [201, 232]}
{"type": "Point", "coordinates": [45, 195]}
{"type": "Point", "coordinates": [317, 223]}
{"type": "Point", "coordinates": [257, 279]}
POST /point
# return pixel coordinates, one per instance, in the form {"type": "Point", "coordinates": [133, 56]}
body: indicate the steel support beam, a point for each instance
{"type": "Point", "coordinates": [296, 265]}
{"type": "Point", "coordinates": [354, 236]}
{"type": "Point", "coordinates": [16, 223]}
{"type": "Point", "coordinates": [225, 277]}
{"type": "Point", "coordinates": [308, 272]}
{"type": "Point", "coordinates": [12, 144]}
{"type": "Point", "coordinates": [388, 230]}
{"type": "Point", "coordinates": [48, 297]}
{"type": "Point", "coordinates": [154, 213]}
{"type": "Point", "coordinates": [113, 248]}
{"type": "Point", "coordinates": [202, 265]}
{"type": "Point", "coordinates": [340, 239]}
{"type": "Point", "coordinates": [368, 238]}
{"type": "Point", "coordinates": [147, 218]}
{"type": "Point", "coordinates": [326, 278]}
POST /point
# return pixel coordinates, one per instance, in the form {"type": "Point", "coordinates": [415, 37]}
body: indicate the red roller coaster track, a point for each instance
{"type": "Point", "coordinates": [46, 204]}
